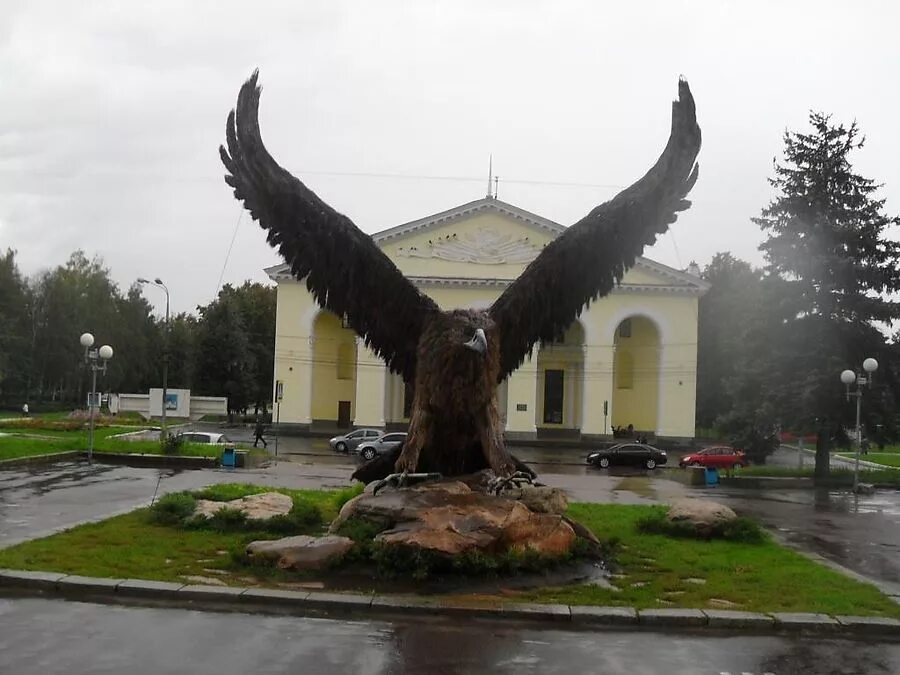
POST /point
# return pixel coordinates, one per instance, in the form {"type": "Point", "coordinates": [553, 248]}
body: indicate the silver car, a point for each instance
{"type": "Point", "coordinates": [348, 442]}
{"type": "Point", "coordinates": [381, 445]}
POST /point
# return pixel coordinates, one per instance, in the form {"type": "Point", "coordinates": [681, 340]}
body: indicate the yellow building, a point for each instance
{"type": "Point", "coordinates": [629, 359]}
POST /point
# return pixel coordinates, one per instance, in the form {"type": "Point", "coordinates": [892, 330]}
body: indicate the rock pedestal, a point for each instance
{"type": "Point", "coordinates": [449, 518]}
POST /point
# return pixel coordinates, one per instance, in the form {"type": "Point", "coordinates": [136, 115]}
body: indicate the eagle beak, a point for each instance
{"type": "Point", "coordinates": [478, 342]}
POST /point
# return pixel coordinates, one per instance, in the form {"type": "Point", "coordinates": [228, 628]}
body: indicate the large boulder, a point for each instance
{"type": "Point", "coordinates": [261, 506]}
{"type": "Point", "coordinates": [449, 518]}
{"type": "Point", "coordinates": [700, 514]}
{"type": "Point", "coordinates": [301, 552]}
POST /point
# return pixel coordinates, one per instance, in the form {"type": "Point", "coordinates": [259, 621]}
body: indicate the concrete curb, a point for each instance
{"type": "Point", "coordinates": [265, 600]}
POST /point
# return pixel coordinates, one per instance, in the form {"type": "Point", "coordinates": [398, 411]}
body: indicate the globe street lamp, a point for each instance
{"type": "Point", "coordinates": [848, 377]}
{"type": "Point", "coordinates": [96, 360]}
{"type": "Point", "coordinates": [158, 282]}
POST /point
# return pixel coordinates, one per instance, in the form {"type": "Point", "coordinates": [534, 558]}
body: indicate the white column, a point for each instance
{"type": "Point", "coordinates": [521, 397]}
{"type": "Point", "coordinates": [371, 375]}
{"type": "Point", "coordinates": [598, 387]}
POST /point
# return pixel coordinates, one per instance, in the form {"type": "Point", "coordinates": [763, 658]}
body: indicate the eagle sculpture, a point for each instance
{"type": "Point", "coordinates": [455, 359]}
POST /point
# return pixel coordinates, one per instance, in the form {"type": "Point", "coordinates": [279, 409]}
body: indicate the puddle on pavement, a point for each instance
{"type": "Point", "coordinates": [639, 485]}
{"type": "Point", "coordinates": [595, 573]}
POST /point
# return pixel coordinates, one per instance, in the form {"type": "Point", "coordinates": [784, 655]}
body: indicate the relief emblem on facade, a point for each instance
{"type": "Point", "coordinates": [485, 246]}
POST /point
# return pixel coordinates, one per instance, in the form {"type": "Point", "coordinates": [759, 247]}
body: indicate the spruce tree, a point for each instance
{"type": "Point", "coordinates": [827, 245]}
{"type": "Point", "coordinates": [827, 230]}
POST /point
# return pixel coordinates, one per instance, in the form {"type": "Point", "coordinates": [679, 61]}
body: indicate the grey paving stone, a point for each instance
{"type": "Point", "coordinates": [146, 588]}
{"type": "Point", "coordinates": [471, 609]}
{"type": "Point", "coordinates": [402, 603]}
{"type": "Point", "coordinates": [338, 601]}
{"type": "Point", "coordinates": [615, 616]}
{"type": "Point", "coordinates": [78, 584]}
{"type": "Point", "coordinates": [804, 621]}
{"type": "Point", "coordinates": [870, 624]}
{"type": "Point", "coordinates": [671, 617]}
{"type": "Point", "coordinates": [213, 593]}
{"type": "Point", "coordinates": [534, 611]}
{"type": "Point", "coordinates": [273, 596]}
{"type": "Point", "coordinates": [29, 579]}
{"type": "Point", "coordinates": [729, 618]}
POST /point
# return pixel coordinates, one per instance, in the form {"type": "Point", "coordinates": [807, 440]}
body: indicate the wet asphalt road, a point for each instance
{"type": "Point", "coordinates": [54, 636]}
{"type": "Point", "coordinates": [43, 637]}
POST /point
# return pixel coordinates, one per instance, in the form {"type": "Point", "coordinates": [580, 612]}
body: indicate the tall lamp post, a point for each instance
{"type": "Point", "coordinates": [96, 360]}
{"type": "Point", "coordinates": [849, 377]}
{"type": "Point", "coordinates": [158, 282]}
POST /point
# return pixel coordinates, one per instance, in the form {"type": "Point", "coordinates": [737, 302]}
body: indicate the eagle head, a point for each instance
{"type": "Point", "coordinates": [478, 343]}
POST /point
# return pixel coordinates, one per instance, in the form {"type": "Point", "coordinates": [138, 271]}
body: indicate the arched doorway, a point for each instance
{"type": "Point", "coordinates": [635, 399]}
{"type": "Point", "coordinates": [334, 371]}
{"type": "Point", "coordinates": [560, 381]}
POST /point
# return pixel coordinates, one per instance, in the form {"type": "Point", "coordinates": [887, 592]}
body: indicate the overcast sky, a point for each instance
{"type": "Point", "coordinates": [112, 114]}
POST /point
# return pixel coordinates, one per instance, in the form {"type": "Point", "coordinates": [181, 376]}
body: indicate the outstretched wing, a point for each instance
{"type": "Point", "coordinates": [344, 269]}
{"type": "Point", "coordinates": [588, 259]}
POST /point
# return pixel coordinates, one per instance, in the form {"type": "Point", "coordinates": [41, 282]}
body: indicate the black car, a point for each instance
{"type": "Point", "coordinates": [628, 454]}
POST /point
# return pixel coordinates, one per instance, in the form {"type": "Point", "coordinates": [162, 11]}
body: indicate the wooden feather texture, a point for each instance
{"type": "Point", "coordinates": [590, 258]}
{"type": "Point", "coordinates": [344, 270]}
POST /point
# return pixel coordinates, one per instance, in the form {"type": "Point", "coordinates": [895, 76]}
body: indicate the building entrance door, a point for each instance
{"type": "Point", "coordinates": [554, 381]}
{"type": "Point", "coordinates": [343, 420]}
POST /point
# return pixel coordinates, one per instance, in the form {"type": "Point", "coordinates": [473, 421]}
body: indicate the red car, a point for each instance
{"type": "Point", "coordinates": [718, 457]}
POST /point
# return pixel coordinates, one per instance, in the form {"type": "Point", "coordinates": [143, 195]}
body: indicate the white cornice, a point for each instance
{"type": "Point", "coordinates": [472, 282]}
{"type": "Point", "coordinates": [464, 211]}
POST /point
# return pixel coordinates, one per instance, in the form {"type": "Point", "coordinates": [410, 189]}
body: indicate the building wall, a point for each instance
{"type": "Point", "coordinates": [312, 391]}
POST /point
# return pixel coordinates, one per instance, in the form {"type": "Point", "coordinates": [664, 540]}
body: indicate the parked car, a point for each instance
{"type": "Point", "coordinates": [381, 445]}
{"type": "Point", "coordinates": [628, 454]}
{"type": "Point", "coordinates": [203, 437]}
{"type": "Point", "coordinates": [348, 442]}
{"type": "Point", "coordinates": [717, 457]}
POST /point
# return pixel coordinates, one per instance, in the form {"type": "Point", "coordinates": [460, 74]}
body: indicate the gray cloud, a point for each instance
{"type": "Point", "coordinates": [113, 113]}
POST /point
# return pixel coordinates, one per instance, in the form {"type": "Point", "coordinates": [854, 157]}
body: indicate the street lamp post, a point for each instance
{"type": "Point", "coordinates": [849, 377]}
{"type": "Point", "coordinates": [96, 360]}
{"type": "Point", "coordinates": [158, 282]}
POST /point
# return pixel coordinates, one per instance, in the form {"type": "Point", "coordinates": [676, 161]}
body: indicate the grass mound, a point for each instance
{"type": "Point", "coordinates": [741, 529]}
{"type": "Point", "coordinates": [177, 510]}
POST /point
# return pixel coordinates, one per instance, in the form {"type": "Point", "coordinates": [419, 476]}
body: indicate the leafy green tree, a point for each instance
{"type": "Point", "coordinates": [225, 363]}
{"type": "Point", "coordinates": [828, 249]}
{"type": "Point", "coordinates": [14, 344]}
{"type": "Point", "coordinates": [728, 316]}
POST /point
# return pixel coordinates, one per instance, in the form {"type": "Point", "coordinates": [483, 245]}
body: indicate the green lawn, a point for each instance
{"type": "Point", "coordinates": [132, 546]}
{"type": "Point", "coordinates": [654, 570]}
{"type": "Point", "coordinates": [755, 577]}
{"type": "Point", "coordinates": [30, 442]}
{"type": "Point", "coordinates": [886, 458]}
{"type": "Point", "coordinates": [887, 476]}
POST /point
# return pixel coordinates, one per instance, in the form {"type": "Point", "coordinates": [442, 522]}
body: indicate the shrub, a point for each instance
{"type": "Point", "coordinates": [225, 519]}
{"type": "Point", "coordinates": [173, 509]}
{"type": "Point", "coordinates": [172, 444]}
{"type": "Point", "coordinates": [304, 518]}
{"type": "Point", "coordinates": [341, 497]}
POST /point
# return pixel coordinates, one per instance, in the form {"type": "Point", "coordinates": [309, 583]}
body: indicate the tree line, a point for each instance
{"type": "Point", "coordinates": [226, 349]}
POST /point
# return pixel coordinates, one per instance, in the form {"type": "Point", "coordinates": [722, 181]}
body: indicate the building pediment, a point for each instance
{"type": "Point", "coordinates": [488, 243]}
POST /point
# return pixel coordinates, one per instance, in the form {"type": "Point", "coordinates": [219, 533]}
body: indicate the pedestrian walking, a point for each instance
{"type": "Point", "coordinates": [25, 410]}
{"type": "Point", "coordinates": [258, 433]}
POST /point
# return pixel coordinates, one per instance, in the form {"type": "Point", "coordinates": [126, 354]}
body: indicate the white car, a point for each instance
{"type": "Point", "coordinates": [210, 437]}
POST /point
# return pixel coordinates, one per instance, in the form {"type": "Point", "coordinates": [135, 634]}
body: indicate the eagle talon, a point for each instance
{"type": "Point", "coordinates": [404, 479]}
{"type": "Point", "coordinates": [512, 482]}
